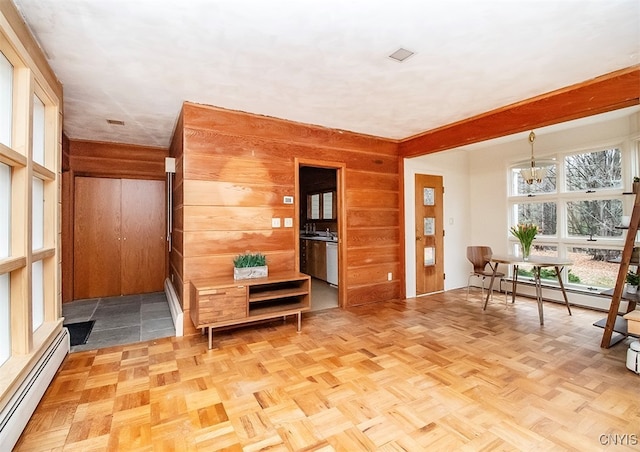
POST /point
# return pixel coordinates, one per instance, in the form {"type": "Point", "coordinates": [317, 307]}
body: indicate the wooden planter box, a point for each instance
{"type": "Point", "coordinates": [250, 272]}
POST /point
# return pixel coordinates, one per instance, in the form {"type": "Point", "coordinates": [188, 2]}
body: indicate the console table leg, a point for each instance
{"type": "Point", "coordinates": [210, 341]}
{"type": "Point", "coordinates": [299, 321]}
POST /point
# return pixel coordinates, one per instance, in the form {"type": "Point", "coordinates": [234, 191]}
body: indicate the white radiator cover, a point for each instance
{"type": "Point", "coordinates": [174, 306]}
{"type": "Point", "coordinates": [14, 416]}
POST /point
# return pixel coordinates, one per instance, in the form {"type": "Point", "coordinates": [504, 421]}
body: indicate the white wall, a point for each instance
{"type": "Point", "coordinates": [453, 167]}
{"type": "Point", "coordinates": [475, 179]}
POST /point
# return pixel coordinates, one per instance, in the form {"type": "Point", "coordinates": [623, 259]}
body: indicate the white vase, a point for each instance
{"type": "Point", "coordinates": [631, 289]}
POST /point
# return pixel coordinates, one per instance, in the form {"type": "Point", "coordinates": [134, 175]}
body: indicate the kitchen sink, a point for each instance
{"type": "Point", "coordinates": [323, 238]}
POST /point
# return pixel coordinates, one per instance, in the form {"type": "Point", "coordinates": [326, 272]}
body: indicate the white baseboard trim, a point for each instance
{"type": "Point", "coordinates": [16, 414]}
{"type": "Point", "coordinates": [552, 293]}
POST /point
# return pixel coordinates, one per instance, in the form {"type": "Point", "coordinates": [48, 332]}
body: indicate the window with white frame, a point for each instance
{"type": "Point", "coordinates": [313, 207]}
{"type": "Point", "coordinates": [578, 208]}
{"type": "Point", "coordinates": [327, 205]}
{"type": "Point", "coordinates": [593, 170]}
{"type": "Point", "coordinates": [542, 214]}
{"type": "Point", "coordinates": [520, 187]}
{"type": "Point", "coordinates": [321, 206]}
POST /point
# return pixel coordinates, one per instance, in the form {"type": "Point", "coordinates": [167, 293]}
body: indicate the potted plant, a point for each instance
{"type": "Point", "coordinates": [636, 184]}
{"type": "Point", "coordinates": [250, 265]}
{"type": "Point", "coordinates": [633, 279]}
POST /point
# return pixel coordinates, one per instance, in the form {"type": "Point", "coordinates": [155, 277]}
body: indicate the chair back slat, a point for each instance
{"type": "Point", "coordinates": [479, 256]}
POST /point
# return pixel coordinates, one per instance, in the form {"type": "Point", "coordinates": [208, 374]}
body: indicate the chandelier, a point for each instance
{"type": "Point", "coordinates": [534, 170]}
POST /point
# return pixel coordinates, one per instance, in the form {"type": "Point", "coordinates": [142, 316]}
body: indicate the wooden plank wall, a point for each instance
{"type": "Point", "coordinates": [99, 159]}
{"type": "Point", "coordinates": [122, 161]}
{"type": "Point", "coordinates": [236, 169]}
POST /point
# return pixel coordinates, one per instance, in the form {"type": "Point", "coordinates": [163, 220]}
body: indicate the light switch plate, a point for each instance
{"type": "Point", "coordinates": [275, 222]}
{"type": "Point", "coordinates": [288, 222]}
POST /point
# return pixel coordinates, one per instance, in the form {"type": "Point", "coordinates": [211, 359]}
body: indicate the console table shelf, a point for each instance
{"type": "Point", "coordinates": [276, 294]}
{"type": "Point", "coordinates": [226, 302]}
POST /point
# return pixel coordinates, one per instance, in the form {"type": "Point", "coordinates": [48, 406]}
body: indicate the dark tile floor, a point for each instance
{"type": "Point", "coordinates": [121, 320]}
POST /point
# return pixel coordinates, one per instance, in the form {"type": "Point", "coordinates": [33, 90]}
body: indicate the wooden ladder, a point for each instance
{"type": "Point", "coordinates": [622, 273]}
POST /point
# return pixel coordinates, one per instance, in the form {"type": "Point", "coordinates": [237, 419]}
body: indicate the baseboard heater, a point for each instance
{"type": "Point", "coordinates": [174, 307]}
{"type": "Point", "coordinates": [16, 414]}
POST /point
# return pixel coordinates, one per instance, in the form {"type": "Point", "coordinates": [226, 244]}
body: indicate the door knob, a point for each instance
{"type": "Point", "coordinates": [418, 238]}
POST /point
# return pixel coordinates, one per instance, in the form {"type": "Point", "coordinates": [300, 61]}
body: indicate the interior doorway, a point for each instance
{"type": "Point", "coordinates": [319, 231]}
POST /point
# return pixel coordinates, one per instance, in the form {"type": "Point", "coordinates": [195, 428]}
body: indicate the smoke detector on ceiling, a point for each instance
{"type": "Point", "coordinates": [401, 54]}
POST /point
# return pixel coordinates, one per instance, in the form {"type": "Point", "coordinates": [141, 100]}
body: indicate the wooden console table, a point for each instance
{"type": "Point", "coordinates": [225, 301]}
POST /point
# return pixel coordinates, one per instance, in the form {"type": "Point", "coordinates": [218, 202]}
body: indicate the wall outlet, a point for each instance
{"type": "Point", "coordinates": [288, 222]}
{"type": "Point", "coordinates": [389, 276]}
{"type": "Point", "coordinates": [275, 222]}
{"type": "Point", "coordinates": [287, 199]}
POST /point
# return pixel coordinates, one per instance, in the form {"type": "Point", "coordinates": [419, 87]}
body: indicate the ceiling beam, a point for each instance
{"type": "Point", "coordinates": [608, 92]}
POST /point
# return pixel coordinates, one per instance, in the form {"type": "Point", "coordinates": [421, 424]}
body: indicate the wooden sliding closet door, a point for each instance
{"type": "Point", "coordinates": [96, 237]}
{"type": "Point", "coordinates": [119, 243]}
{"type": "Point", "coordinates": [143, 233]}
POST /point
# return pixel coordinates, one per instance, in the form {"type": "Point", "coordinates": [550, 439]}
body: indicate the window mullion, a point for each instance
{"type": "Point", "coordinates": [21, 193]}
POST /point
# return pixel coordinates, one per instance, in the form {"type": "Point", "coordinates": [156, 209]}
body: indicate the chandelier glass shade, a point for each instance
{"type": "Point", "coordinates": [534, 170]}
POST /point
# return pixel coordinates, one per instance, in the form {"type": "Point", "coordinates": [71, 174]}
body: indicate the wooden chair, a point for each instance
{"type": "Point", "coordinates": [480, 258]}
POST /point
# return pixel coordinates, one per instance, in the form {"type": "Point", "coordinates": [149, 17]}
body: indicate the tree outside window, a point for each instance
{"type": "Point", "coordinates": [578, 211]}
{"type": "Point", "coordinates": [594, 170]}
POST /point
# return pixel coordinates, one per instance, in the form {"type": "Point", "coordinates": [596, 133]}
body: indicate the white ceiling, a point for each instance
{"type": "Point", "coordinates": [322, 62]}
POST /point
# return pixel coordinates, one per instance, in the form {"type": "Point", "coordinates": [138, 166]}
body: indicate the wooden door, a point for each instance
{"type": "Point", "coordinates": [429, 234]}
{"type": "Point", "coordinates": [96, 233]}
{"type": "Point", "coordinates": [119, 241]}
{"type": "Point", "coordinates": [143, 236]}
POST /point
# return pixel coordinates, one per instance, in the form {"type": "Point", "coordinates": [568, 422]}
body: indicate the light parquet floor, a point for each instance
{"type": "Point", "coordinates": [434, 373]}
